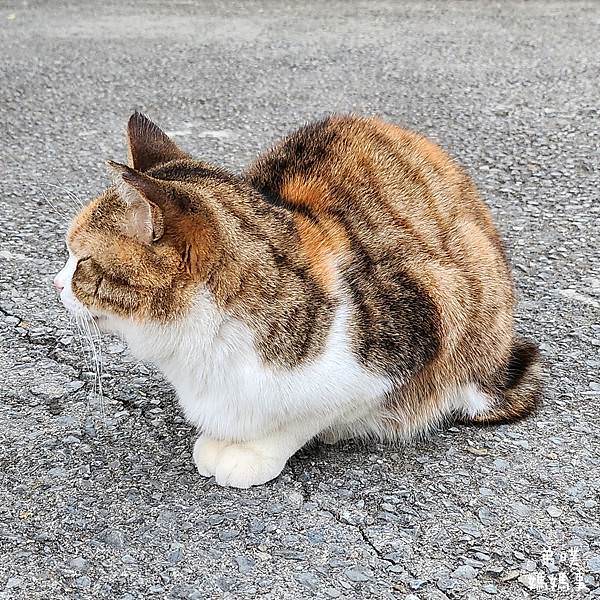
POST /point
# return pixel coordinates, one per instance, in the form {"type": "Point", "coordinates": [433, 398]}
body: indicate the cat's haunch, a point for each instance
{"type": "Point", "coordinates": [350, 283]}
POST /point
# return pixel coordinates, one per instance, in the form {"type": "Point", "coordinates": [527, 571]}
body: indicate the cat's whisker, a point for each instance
{"type": "Point", "coordinates": [100, 362]}
{"type": "Point", "coordinates": [80, 334]}
{"type": "Point", "coordinates": [85, 348]}
{"type": "Point", "coordinates": [59, 211]}
{"type": "Point", "coordinates": [63, 216]}
{"type": "Point", "coordinates": [96, 344]}
{"type": "Point", "coordinates": [69, 193]}
{"type": "Point", "coordinates": [96, 356]}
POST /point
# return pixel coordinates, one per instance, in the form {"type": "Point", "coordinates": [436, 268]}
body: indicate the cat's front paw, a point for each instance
{"type": "Point", "coordinates": [206, 455]}
{"type": "Point", "coordinates": [245, 465]}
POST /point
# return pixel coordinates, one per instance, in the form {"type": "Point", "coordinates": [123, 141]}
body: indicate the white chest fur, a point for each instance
{"type": "Point", "coordinates": [226, 389]}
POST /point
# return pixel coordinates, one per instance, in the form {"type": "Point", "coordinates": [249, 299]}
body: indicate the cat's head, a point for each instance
{"type": "Point", "coordinates": [138, 250]}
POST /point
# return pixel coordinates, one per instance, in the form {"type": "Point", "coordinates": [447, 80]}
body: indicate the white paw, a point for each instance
{"type": "Point", "coordinates": [244, 465]}
{"type": "Point", "coordinates": [206, 454]}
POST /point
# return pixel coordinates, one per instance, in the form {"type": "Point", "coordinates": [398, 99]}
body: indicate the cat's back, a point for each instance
{"type": "Point", "coordinates": [324, 165]}
{"type": "Point", "coordinates": [375, 183]}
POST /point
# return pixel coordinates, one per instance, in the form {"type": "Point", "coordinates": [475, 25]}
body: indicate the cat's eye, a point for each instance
{"type": "Point", "coordinates": [82, 260]}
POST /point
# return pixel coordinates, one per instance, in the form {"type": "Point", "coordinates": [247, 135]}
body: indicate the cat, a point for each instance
{"type": "Point", "coordinates": [350, 283]}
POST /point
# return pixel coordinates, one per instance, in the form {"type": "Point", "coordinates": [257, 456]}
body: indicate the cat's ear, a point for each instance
{"type": "Point", "coordinates": [148, 145]}
{"type": "Point", "coordinates": [143, 216]}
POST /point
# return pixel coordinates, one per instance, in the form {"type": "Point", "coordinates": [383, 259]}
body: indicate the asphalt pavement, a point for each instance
{"type": "Point", "coordinates": [101, 499]}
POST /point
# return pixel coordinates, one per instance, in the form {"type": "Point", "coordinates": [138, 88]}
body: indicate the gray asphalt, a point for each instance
{"type": "Point", "coordinates": [102, 500]}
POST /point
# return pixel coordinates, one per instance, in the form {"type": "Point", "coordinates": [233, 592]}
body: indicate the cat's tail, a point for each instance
{"type": "Point", "coordinates": [518, 390]}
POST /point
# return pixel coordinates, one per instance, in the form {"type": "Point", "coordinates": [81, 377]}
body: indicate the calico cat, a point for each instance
{"type": "Point", "coordinates": [349, 283]}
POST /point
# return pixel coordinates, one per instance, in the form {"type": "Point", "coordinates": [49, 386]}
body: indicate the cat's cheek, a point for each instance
{"type": "Point", "coordinates": [71, 302]}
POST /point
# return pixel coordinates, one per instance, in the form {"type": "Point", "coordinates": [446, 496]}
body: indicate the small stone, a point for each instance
{"type": "Point", "coordinates": [245, 564]}
{"type": "Point", "coordinates": [49, 390]}
{"type": "Point", "coordinates": [446, 583]}
{"type": "Point", "coordinates": [477, 451]}
{"type": "Point", "coordinates": [465, 572]}
{"type": "Point", "coordinates": [554, 511]}
{"type": "Point", "coordinates": [83, 582]}
{"type": "Point", "coordinates": [490, 588]}
{"type": "Point", "coordinates": [78, 563]}
{"type": "Point", "coordinates": [501, 465]}
{"type": "Point", "coordinates": [13, 583]}
{"type": "Point", "coordinates": [593, 564]}
{"type": "Point", "coordinates": [256, 526]}
{"type": "Point", "coordinates": [156, 589]}
{"type": "Point", "coordinates": [115, 348]}
{"type": "Point", "coordinates": [84, 470]}
{"type": "Point", "coordinates": [295, 499]}
{"type": "Point", "coordinates": [57, 472]}
{"type": "Point", "coordinates": [415, 584]}
{"type": "Point", "coordinates": [357, 574]}
{"type": "Point", "coordinates": [75, 385]}
{"type": "Point", "coordinates": [512, 574]}
{"type": "Point", "coordinates": [521, 509]}
{"type": "Point", "coordinates": [501, 111]}
{"type": "Point", "coordinates": [228, 534]}
{"type": "Point", "coordinates": [529, 565]}
{"type": "Point", "coordinates": [528, 580]}
{"type": "Point", "coordinates": [470, 528]}
{"type": "Point", "coordinates": [332, 592]}
{"type": "Point", "coordinates": [114, 538]}
{"type": "Point", "coordinates": [587, 532]}
{"type": "Point", "coordinates": [174, 556]}
{"type": "Point", "coordinates": [486, 516]}
{"type": "Point", "coordinates": [166, 518]}
{"type": "Point", "coordinates": [307, 579]}
{"type": "Point", "coordinates": [127, 559]}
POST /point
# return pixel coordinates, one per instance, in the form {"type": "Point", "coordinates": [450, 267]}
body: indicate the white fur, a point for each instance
{"type": "Point", "coordinates": [468, 400]}
{"type": "Point", "coordinates": [62, 282]}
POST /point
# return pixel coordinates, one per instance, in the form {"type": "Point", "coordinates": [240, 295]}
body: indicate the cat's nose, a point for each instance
{"type": "Point", "coordinates": [58, 284]}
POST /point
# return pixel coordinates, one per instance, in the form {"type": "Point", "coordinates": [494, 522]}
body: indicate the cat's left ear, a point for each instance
{"type": "Point", "coordinates": [148, 145]}
{"type": "Point", "coordinates": [143, 216]}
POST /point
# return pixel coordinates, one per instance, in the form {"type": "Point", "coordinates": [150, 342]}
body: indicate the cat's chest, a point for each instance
{"type": "Point", "coordinates": [226, 388]}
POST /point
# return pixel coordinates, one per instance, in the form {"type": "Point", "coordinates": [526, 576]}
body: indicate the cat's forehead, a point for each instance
{"type": "Point", "coordinates": [98, 218]}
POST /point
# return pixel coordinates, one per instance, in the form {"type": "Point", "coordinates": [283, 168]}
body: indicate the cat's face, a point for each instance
{"type": "Point", "coordinates": [113, 271]}
{"type": "Point", "coordinates": [132, 250]}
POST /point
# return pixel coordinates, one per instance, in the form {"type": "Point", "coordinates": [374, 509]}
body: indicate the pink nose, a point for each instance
{"type": "Point", "coordinates": [58, 284]}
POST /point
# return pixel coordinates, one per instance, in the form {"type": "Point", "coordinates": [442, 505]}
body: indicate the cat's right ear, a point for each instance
{"type": "Point", "coordinates": [148, 145]}
{"type": "Point", "coordinates": [143, 219]}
